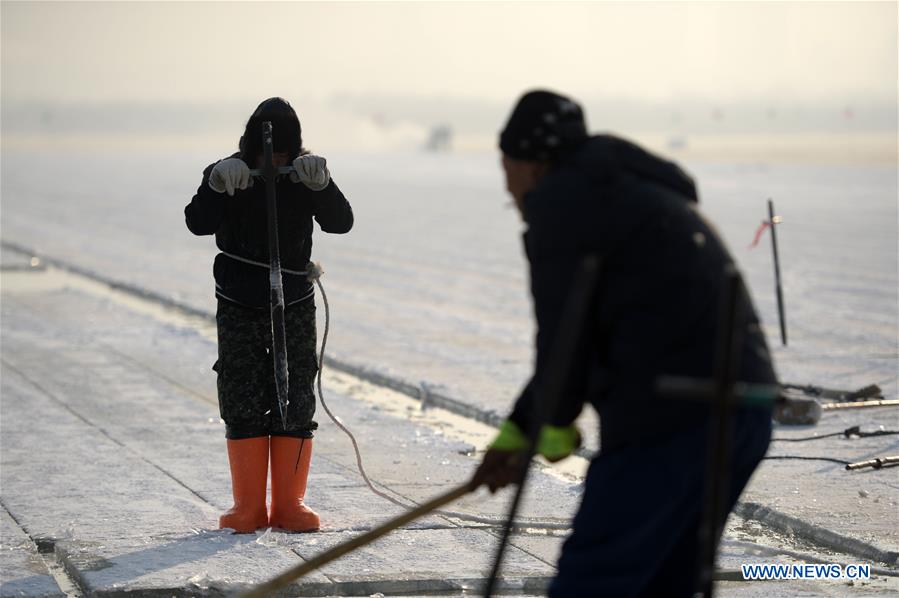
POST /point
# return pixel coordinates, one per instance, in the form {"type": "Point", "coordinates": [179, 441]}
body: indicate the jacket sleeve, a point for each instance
{"type": "Point", "coordinates": [331, 209]}
{"type": "Point", "coordinates": [554, 260]}
{"type": "Point", "coordinates": [205, 211]}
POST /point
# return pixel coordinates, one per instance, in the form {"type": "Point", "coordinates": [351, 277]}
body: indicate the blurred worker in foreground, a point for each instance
{"type": "Point", "coordinates": [656, 313]}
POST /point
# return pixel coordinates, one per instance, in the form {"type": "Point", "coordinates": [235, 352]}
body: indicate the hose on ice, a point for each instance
{"type": "Point", "coordinates": [314, 273]}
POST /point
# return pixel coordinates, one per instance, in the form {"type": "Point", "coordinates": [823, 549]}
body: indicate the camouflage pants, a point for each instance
{"type": "Point", "coordinates": [248, 401]}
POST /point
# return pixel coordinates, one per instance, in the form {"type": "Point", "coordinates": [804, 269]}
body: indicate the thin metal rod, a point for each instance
{"type": "Point", "coordinates": [279, 333]}
{"type": "Point", "coordinates": [507, 527]}
{"type": "Point", "coordinates": [860, 404]}
{"type": "Point", "coordinates": [279, 170]}
{"type": "Point", "coordinates": [745, 394]}
{"type": "Point", "coordinates": [875, 463]}
{"type": "Point", "coordinates": [773, 220]}
{"type": "Point", "coordinates": [546, 397]}
{"type": "Point", "coordinates": [284, 579]}
{"type": "Point", "coordinates": [717, 488]}
{"type": "Point", "coordinates": [872, 391]}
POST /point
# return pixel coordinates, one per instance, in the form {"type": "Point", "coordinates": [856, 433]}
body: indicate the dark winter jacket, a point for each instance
{"type": "Point", "coordinates": [240, 226]}
{"type": "Point", "coordinates": [657, 308]}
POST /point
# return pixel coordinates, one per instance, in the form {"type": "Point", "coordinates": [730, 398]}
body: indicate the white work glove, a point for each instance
{"type": "Point", "coordinates": [312, 171]}
{"type": "Point", "coordinates": [230, 174]}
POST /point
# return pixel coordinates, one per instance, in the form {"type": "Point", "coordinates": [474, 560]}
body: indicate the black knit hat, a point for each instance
{"type": "Point", "coordinates": [286, 132]}
{"type": "Point", "coordinates": [542, 125]}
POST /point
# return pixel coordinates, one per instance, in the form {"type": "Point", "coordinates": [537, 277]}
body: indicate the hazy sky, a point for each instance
{"type": "Point", "coordinates": [720, 51]}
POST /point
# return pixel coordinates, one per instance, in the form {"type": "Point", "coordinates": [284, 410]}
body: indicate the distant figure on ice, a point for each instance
{"type": "Point", "coordinates": [230, 205]}
{"type": "Point", "coordinates": [440, 139]}
{"type": "Point", "coordinates": [656, 313]}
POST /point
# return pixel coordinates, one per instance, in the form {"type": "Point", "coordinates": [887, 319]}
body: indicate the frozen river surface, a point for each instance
{"type": "Point", "coordinates": [431, 286]}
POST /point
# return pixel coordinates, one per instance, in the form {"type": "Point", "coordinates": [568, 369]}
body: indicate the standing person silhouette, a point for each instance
{"type": "Point", "coordinates": [232, 206]}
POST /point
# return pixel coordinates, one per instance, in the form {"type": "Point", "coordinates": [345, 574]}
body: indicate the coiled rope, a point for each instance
{"type": "Point", "coordinates": [314, 272]}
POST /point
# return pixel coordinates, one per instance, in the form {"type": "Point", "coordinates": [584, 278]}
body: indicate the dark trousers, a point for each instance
{"type": "Point", "coordinates": [248, 401]}
{"type": "Point", "coordinates": [636, 533]}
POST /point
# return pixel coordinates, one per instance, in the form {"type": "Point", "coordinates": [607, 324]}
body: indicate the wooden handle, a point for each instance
{"type": "Point", "coordinates": [284, 579]}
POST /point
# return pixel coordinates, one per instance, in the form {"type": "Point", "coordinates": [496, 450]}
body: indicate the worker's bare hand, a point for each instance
{"type": "Point", "coordinates": [498, 469]}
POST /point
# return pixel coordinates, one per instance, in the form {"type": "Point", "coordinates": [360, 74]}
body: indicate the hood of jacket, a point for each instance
{"type": "Point", "coordinates": [286, 131]}
{"type": "Point", "coordinates": [606, 158]}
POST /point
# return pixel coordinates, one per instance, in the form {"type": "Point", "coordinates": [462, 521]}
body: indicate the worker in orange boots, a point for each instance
{"type": "Point", "coordinates": [232, 206]}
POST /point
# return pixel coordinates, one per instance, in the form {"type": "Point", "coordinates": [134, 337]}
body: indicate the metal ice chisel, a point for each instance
{"type": "Point", "coordinates": [279, 170]}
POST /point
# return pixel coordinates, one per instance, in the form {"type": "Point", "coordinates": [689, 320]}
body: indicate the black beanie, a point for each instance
{"type": "Point", "coordinates": [286, 132]}
{"type": "Point", "coordinates": [542, 125]}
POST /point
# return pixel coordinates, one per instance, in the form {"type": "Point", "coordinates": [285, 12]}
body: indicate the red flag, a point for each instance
{"type": "Point", "coordinates": [758, 233]}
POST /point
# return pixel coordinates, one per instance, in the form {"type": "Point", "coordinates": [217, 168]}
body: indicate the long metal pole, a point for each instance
{"type": "Point", "coordinates": [860, 404]}
{"type": "Point", "coordinates": [773, 221]}
{"type": "Point", "coordinates": [279, 333]}
{"type": "Point", "coordinates": [546, 397]}
{"type": "Point", "coordinates": [283, 580]}
{"type": "Point", "coordinates": [717, 488]}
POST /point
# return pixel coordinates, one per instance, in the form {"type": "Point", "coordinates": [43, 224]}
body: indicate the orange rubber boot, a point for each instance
{"type": "Point", "coordinates": [290, 468]}
{"type": "Point", "coordinates": [249, 472]}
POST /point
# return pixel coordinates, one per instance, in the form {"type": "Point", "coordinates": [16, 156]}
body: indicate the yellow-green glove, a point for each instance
{"type": "Point", "coordinates": [555, 443]}
{"type": "Point", "coordinates": [510, 438]}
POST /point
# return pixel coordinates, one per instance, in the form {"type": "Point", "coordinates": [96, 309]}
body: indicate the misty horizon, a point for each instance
{"type": "Point", "coordinates": [461, 114]}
